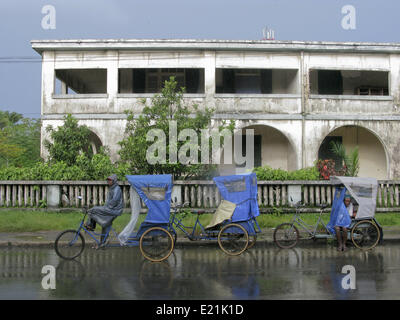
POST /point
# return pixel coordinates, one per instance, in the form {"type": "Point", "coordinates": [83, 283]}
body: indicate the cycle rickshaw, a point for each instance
{"type": "Point", "coordinates": [364, 231]}
{"type": "Point", "coordinates": [154, 239]}
{"type": "Point", "coordinates": [234, 223]}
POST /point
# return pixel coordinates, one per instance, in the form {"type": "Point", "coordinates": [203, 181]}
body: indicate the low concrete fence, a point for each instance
{"type": "Point", "coordinates": [272, 195]}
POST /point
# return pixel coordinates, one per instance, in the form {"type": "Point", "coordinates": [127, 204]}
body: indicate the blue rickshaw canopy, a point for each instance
{"type": "Point", "coordinates": [240, 189]}
{"type": "Point", "coordinates": [155, 191]}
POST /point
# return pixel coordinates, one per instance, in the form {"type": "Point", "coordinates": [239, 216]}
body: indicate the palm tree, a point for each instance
{"type": "Point", "coordinates": [350, 162]}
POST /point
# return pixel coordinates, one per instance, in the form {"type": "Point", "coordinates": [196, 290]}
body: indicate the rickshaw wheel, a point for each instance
{"type": "Point", "coordinates": [69, 244]}
{"type": "Point", "coordinates": [286, 235]}
{"type": "Point", "coordinates": [252, 241]}
{"type": "Point", "coordinates": [174, 235]}
{"type": "Point", "coordinates": [365, 234]}
{"type": "Point", "coordinates": [233, 239]}
{"type": "Point", "coordinates": [156, 244]}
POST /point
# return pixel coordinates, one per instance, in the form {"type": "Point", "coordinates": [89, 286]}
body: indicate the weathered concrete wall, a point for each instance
{"type": "Point", "coordinates": [304, 119]}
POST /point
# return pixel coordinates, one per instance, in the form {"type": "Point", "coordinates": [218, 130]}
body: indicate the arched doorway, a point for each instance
{"type": "Point", "coordinates": [271, 148]}
{"type": "Point", "coordinates": [94, 143]}
{"type": "Point", "coordinates": [372, 154]}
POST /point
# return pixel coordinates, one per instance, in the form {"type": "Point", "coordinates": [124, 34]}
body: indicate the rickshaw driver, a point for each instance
{"type": "Point", "coordinates": [343, 222]}
{"type": "Point", "coordinates": [349, 206]}
{"type": "Point", "coordinates": [104, 215]}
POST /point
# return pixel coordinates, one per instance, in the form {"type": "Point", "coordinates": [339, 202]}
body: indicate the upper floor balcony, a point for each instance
{"type": "Point", "coordinates": [233, 77]}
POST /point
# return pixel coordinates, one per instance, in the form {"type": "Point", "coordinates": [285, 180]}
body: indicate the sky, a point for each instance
{"type": "Point", "coordinates": [313, 20]}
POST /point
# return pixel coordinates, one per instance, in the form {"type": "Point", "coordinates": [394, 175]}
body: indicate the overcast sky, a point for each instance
{"type": "Point", "coordinates": [321, 20]}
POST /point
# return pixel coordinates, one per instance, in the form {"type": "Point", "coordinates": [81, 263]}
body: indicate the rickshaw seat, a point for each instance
{"type": "Point", "coordinates": [109, 224]}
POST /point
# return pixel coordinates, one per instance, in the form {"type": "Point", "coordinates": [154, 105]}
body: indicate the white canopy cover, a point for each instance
{"type": "Point", "coordinates": [363, 190]}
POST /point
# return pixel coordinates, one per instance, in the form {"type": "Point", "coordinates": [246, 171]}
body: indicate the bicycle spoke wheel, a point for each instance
{"type": "Point", "coordinates": [69, 244]}
{"type": "Point", "coordinates": [156, 244]}
{"type": "Point", "coordinates": [252, 241]}
{"type": "Point", "coordinates": [233, 239]}
{"type": "Point", "coordinates": [174, 235]}
{"type": "Point", "coordinates": [286, 235]}
{"type": "Point", "coordinates": [365, 235]}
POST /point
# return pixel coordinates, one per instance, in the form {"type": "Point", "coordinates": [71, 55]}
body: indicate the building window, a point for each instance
{"type": "Point", "coordinates": [256, 81]}
{"type": "Point", "coordinates": [80, 81]}
{"type": "Point", "coordinates": [349, 82]}
{"type": "Point", "coordinates": [330, 82]}
{"type": "Point", "coordinates": [152, 80]}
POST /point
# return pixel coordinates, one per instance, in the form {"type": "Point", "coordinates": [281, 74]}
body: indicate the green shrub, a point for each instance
{"type": "Point", "coordinates": [268, 173]}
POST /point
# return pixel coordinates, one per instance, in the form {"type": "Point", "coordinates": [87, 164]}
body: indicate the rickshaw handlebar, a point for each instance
{"type": "Point", "coordinates": [180, 205]}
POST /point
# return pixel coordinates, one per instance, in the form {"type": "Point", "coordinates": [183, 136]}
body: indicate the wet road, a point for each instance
{"type": "Point", "coordinates": [203, 273]}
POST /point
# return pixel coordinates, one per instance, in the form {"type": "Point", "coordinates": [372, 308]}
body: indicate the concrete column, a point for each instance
{"type": "Point", "coordinates": [112, 78]}
{"type": "Point", "coordinates": [48, 83]}
{"type": "Point", "coordinates": [209, 77]}
{"type": "Point", "coordinates": [53, 196]}
{"type": "Point", "coordinates": [176, 195]}
{"type": "Point", "coordinates": [394, 80]}
{"type": "Point", "coordinates": [48, 80]}
{"type": "Point", "coordinates": [64, 88]}
{"type": "Point", "coordinates": [294, 193]}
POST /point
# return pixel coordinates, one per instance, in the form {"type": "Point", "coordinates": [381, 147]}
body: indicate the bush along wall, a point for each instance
{"type": "Point", "coordinates": [267, 173]}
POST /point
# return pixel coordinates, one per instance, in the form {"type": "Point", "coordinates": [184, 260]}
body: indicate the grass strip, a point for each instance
{"type": "Point", "coordinates": [31, 221]}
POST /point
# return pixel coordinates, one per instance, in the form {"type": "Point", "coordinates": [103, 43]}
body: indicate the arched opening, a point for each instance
{"type": "Point", "coordinates": [271, 148]}
{"type": "Point", "coordinates": [94, 143]}
{"type": "Point", "coordinates": [372, 155]}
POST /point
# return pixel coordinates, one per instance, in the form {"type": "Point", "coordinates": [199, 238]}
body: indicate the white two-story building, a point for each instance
{"type": "Point", "coordinates": [298, 96]}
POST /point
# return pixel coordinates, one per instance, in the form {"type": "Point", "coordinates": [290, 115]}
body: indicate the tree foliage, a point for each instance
{"type": "Point", "coordinates": [165, 107]}
{"type": "Point", "coordinates": [19, 140]}
{"type": "Point", "coordinates": [68, 141]}
{"type": "Point", "coordinates": [99, 167]}
{"type": "Point", "coordinates": [350, 162]}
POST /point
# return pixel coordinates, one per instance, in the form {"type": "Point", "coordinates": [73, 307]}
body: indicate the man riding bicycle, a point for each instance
{"type": "Point", "coordinates": [104, 215]}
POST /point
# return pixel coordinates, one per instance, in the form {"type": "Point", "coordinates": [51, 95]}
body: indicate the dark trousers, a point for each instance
{"type": "Point", "coordinates": [92, 223]}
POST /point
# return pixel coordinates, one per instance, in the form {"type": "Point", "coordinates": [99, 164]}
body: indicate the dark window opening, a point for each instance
{"type": "Point", "coordinates": [256, 81]}
{"type": "Point", "coordinates": [330, 82]}
{"type": "Point", "coordinates": [349, 82]}
{"type": "Point", "coordinates": [80, 81]}
{"type": "Point", "coordinates": [152, 80]}
{"type": "Point", "coordinates": [244, 81]}
{"type": "Point", "coordinates": [325, 151]}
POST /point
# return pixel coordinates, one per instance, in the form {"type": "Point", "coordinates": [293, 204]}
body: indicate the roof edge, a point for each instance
{"type": "Point", "coordinates": [209, 44]}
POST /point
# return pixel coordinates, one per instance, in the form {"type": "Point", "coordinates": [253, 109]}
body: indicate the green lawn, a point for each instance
{"type": "Point", "coordinates": [30, 221]}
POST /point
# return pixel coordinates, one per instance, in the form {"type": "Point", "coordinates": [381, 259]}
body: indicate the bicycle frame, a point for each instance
{"type": "Point", "coordinates": [309, 228]}
{"type": "Point", "coordinates": [177, 222]}
{"type": "Point", "coordinates": [94, 234]}
{"type": "Point", "coordinates": [204, 234]}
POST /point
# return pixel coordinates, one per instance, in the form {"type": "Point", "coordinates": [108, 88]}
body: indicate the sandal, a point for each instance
{"type": "Point", "coordinates": [88, 227]}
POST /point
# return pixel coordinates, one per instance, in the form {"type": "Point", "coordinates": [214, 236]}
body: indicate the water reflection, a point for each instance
{"type": "Point", "coordinates": [203, 273]}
